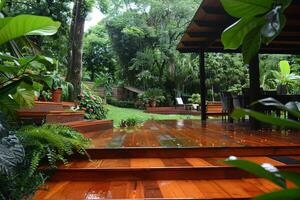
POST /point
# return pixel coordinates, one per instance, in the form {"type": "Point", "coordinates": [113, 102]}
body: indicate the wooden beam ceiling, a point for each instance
{"type": "Point", "coordinates": [207, 25]}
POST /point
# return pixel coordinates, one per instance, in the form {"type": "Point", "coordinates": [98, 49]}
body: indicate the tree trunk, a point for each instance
{"type": "Point", "coordinates": [76, 43]}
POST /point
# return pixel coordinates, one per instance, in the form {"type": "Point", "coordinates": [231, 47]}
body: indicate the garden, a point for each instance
{"type": "Point", "coordinates": [64, 84]}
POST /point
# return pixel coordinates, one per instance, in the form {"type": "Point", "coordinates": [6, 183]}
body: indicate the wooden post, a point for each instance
{"type": "Point", "coordinates": [254, 87]}
{"type": "Point", "coordinates": [203, 90]}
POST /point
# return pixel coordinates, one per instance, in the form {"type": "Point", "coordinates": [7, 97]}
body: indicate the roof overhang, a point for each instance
{"type": "Point", "coordinates": [204, 31]}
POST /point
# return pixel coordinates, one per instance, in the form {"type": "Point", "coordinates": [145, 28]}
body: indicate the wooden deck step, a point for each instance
{"type": "Point", "coordinates": [56, 116]}
{"type": "Point", "coordinates": [204, 152]}
{"type": "Point", "coordinates": [43, 106]}
{"type": "Point", "coordinates": [64, 117]}
{"type": "Point", "coordinates": [91, 126]}
{"type": "Point", "coordinates": [238, 189]}
{"type": "Point", "coordinates": [164, 169]}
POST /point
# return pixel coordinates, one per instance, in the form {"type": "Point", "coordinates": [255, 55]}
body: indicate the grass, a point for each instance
{"type": "Point", "coordinates": [117, 114]}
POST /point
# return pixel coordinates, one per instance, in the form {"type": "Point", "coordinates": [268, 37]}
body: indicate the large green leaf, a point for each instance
{"type": "Point", "coordinates": [294, 177]}
{"type": "Point", "coordinates": [247, 8]}
{"type": "Point", "coordinates": [14, 27]}
{"type": "Point", "coordinates": [24, 95]}
{"type": "Point", "coordinates": [257, 170]}
{"type": "Point", "coordinates": [9, 70]}
{"type": "Point", "coordinates": [288, 194]}
{"type": "Point", "coordinates": [289, 107]}
{"type": "Point", "coordinates": [233, 36]}
{"type": "Point", "coordinates": [251, 45]}
{"type": "Point", "coordinates": [285, 68]}
{"type": "Point", "coordinates": [8, 106]}
{"type": "Point", "coordinates": [238, 113]}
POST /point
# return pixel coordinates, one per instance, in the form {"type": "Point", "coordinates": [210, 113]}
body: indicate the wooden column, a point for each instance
{"type": "Point", "coordinates": [254, 86]}
{"type": "Point", "coordinates": [203, 90]}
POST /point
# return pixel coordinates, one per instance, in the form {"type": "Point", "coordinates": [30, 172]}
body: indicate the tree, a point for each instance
{"type": "Point", "coordinates": [80, 11]}
{"type": "Point", "coordinates": [97, 52]}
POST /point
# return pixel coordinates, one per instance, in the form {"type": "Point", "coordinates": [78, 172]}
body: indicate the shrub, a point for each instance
{"type": "Point", "coordinates": [123, 104]}
{"type": "Point", "coordinates": [47, 145]}
{"type": "Point", "coordinates": [152, 95]}
{"type": "Point", "coordinates": [92, 105]}
{"type": "Point", "coordinates": [195, 99]}
{"type": "Point", "coordinates": [130, 122]}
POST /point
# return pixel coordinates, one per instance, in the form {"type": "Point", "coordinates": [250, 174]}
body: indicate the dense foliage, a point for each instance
{"type": "Point", "coordinates": [23, 151]}
{"type": "Point", "coordinates": [136, 45]}
{"type": "Point", "coordinates": [92, 105]}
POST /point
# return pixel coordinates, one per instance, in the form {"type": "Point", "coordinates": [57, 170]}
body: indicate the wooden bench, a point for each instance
{"type": "Point", "coordinates": [214, 109]}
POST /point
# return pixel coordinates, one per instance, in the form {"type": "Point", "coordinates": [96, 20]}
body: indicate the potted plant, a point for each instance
{"type": "Point", "coordinates": [284, 77]}
{"type": "Point", "coordinates": [153, 96]}
{"type": "Point", "coordinates": [56, 85]}
{"type": "Point", "coordinates": [45, 95]}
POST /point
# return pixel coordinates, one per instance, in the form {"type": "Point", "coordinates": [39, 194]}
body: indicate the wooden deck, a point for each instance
{"type": "Point", "coordinates": [213, 109]}
{"type": "Point", "coordinates": [174, 160]}
{"type": "Point", "coordinates": [191, 134]}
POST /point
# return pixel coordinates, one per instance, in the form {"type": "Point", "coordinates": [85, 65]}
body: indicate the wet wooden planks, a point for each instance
{"type": "Point", "coordinates": [169, 162]}
{"type": "Point", "coordinates": [192, 133]}
{"type": "Point", "coordinates": [162, 168]}
{"type": "Point", "coordinates": [159, 189]}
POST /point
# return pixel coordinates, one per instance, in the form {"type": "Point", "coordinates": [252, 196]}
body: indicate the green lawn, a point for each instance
{"type": "Point", "coordinates": [117, 114]}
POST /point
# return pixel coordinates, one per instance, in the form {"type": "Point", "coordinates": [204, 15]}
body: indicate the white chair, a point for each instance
{"type": "Point", "coordinates": [179, 102]}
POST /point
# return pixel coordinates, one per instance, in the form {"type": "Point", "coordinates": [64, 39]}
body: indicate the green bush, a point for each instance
{"type": "Point", "coordinates": [24, 151]}
{"type": "Point", "coordinates": [152, 95]}
{"type": "Point", "coordinates": [123, 104]}
{"type": "Point", "coordinates": [195, 99]}
{"type": "Point", "coordinates": [130, 122]}
{"type": "Point", "coordinates": [92, 105]}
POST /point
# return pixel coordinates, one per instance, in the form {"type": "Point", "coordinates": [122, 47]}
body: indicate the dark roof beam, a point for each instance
{"type": "Point", "coordinates": [212, 24]}
{"type": "Point", "coordinates": [213, 10]}
{"type": "Point", "coordinates": [199, 34]}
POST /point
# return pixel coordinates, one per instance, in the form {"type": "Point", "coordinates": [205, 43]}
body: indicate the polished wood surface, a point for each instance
{"type": "Point", "coordinates": [171, 111]}
{"type": "Point", "coordinates": [192, 133]}
{"type": "Point", "coordinates": [174, 160]}
{"type": "Point", "coordinates": [159, 189]}
{"type": "Point", "coordinates": [165, 169]}
{"type": "Point", "coordinates": [90, 126]}
{"type": "Point", "coordinates": [212, 109]}
{"type": "Point", "coordinates": [205, 152]}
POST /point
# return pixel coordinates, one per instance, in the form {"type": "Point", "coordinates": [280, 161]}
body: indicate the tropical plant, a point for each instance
{"type": "Point", "coordinates": [92, 104]}
{"type": "Point", "coordinates": [293, 108]}
{"type": "Point", "coordinates": [106, 80]}
{"type": "Point", "coordinates": [271, 173]}
{"type": "Point", "coordinates": [152, 96]}
{"type": "Point", "coordinates": [18, 83]}
{"type": "Point", "coordinates": [54, 142]}
{"type": "Point", "coordinates": [260, 22]}
{"type": "Point", "coordinates": [11, 154]}
{"type": "Point", "coordinates": [44, 146]}
{"type": "Point", "coordinates": [16, 86]}
{"type": "Point", "coordinates": [195, 99]}
{"type": "Point", "coordinates": [284, 77]}
{"type": "Point", "coordinates": [129, 122]}
{"type": "Point", "coordinates": [22, 25]}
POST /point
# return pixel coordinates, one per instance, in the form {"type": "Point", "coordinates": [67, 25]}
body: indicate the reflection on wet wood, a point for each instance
{"type": "Point", "coordinates": [169, 189]}
{"type": "Point", "coordinates": [191, 133]}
